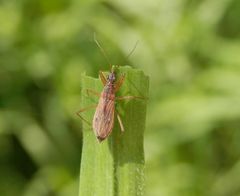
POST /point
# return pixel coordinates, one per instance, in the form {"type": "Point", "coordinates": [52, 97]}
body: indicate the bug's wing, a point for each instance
{"type": "Point", "coordinates": [103, 120]}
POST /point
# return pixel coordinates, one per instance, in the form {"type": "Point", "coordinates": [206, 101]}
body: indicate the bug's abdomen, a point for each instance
{"type": "Point", "coordinates": [103, 120]}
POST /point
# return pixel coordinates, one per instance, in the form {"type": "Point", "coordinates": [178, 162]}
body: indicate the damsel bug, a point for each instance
{"type": "Point", "coordinates": [103, 120]}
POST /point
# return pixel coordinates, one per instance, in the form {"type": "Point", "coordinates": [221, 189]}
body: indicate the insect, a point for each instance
{"type": "Point", "coordinates": [103, 120]}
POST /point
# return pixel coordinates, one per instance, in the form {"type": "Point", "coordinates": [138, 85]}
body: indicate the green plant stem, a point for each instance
{"type": "Point", "coordinates": [115, 167]}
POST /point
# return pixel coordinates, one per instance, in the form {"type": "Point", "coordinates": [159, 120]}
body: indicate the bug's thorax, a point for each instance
{"type": "Point", "coordinates": [109, 88]}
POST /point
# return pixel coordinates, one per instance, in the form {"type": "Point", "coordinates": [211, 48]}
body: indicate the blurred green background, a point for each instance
{"type": "Point", "coordinates": [191, 51]}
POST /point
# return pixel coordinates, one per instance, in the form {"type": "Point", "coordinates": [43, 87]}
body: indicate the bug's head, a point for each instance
{"type": "Point", "coordinates": [111, 77]}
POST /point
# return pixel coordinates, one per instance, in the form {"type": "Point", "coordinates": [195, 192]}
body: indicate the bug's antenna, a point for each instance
{"type": "Point", "coordinates": [101, 49]}
{"type": "Point", "coordinates": [130, 53]}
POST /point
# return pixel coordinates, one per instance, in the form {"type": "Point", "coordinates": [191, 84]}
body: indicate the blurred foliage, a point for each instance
{"type": "Point", "coordinates": [190, 49]}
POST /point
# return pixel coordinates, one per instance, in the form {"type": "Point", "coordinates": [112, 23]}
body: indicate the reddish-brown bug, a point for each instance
{"type": "Point", "coordinates": [103, 120]}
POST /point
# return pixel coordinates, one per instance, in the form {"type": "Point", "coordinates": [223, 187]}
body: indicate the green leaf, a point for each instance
{"type": "Point", "coordinates": [115, 166]}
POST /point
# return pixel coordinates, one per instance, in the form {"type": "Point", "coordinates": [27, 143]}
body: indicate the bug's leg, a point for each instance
{"type": "Point", "coordinates": [129, 97]}
{"type": "Point", "coordinates": [84, 109]}
{"type": "Point", "coordinates": [120, 123]}
{"type": "Point", "coordinates": [92, 92]}
{"type": "Point", "coordinates": [103, 78]}
{"type": "Point", "coordinates": [119, 83]}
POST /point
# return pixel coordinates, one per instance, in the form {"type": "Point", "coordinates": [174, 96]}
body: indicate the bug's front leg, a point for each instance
{"type": "Point", "coordinates": [103, 78]}
{"type": "Point", "coordinates": [119, 83]}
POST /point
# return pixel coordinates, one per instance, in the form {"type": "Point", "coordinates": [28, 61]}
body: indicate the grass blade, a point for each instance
{"type": "Point", "coordinates": [115, 166]}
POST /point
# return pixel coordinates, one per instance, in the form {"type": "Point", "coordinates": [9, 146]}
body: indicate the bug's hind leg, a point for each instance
{"type": "Point", "coordinates": [120, 122]}
{"type": "Point", "coordinates": [84, 109]}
